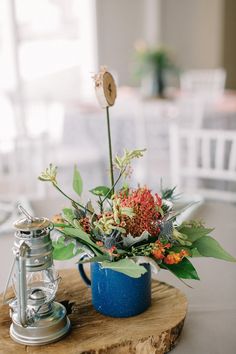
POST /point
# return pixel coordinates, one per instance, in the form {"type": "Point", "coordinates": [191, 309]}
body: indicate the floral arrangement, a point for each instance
{"type": "Point", "coordinates": [151, 58]}
{"type": "Point", "coordinates": [126, 227]}
{"type": "Point", "coordinates": [153, 63]}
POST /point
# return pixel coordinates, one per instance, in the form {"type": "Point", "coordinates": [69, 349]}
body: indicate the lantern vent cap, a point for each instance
{"type": "Point", "coordinates": [31, 223]}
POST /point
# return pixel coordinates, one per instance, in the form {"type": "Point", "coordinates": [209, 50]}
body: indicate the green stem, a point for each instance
{"type": "Point", "coordinates": [113, 186]}
{"type": "Point", "coordinates": [100, 204]}
{"type": "Point", "coordinates": [110, 149]}
{"type": "Point", "coordinates": [72, 200]}
{"type": "Point", "coordinates": [61, 225]}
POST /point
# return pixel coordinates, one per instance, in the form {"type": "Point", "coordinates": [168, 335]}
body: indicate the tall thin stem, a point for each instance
{"type": "Point", "coordinates": [110, 148]}
{"type": "Point", "coordinates": [113, 186]}
{"type": "Point", "coordinates": [72, 200]}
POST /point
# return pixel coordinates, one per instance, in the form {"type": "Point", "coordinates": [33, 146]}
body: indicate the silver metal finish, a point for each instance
{"type": "Point", "coordinates": [21, 283]}
{"type": "Point", "coordinates": [36, 318]}
{"type": "Point", "coordinates": [44, 330]}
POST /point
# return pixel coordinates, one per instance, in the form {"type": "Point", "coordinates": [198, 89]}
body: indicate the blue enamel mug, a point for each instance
{"type": "Point", "coordinates": [118, 295]}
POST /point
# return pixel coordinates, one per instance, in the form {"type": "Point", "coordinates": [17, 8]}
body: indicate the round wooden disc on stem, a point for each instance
{"type": "Point", "coordinates": [155, 331]}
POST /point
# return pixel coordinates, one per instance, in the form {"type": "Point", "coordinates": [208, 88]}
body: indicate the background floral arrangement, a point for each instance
{"type": "Point", "coordinates": [127, 227]}
{"type": "Point", "coordinates": [153, 63]}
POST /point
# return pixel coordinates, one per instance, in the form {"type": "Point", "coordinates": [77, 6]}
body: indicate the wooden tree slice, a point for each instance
{"type": "Point", "coordinates": [105, 88]}
{"type": "Point", "coordinates": [155, 331]}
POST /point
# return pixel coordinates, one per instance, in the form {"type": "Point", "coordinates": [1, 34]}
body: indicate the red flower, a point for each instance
{"type": "Point", "coordinates": [111, 251]}
{"type": "Point", "coordinates": [85, 223]}
{"type": "Point", "coordinates": [146, 208]}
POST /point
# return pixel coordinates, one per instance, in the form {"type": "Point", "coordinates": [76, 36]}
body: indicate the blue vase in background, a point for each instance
{"type": "Point", "coordinates": [118, 295]}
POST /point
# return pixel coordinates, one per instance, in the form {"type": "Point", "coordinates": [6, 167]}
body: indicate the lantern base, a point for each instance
{"type": "Point", "coordinates": [44, 330]}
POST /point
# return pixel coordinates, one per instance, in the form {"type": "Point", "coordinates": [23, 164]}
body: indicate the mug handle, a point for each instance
{"type": "Point", "coordinates": [83, 275]}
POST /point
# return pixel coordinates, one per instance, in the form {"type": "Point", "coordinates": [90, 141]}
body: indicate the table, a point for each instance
{"type": "Point", "coordinates": [211, 320]}
{"type": "Point", "coordinates": [156, 330]}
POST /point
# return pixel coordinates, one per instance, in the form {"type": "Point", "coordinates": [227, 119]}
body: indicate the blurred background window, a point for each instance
{"type": "Point", "coordinates": [47, 51]}
{"type": "Point", "coordinates": [173, 63]}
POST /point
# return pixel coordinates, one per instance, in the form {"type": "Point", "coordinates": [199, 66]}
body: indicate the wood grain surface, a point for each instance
{"type": "Point", "coordinates": [155, 331]}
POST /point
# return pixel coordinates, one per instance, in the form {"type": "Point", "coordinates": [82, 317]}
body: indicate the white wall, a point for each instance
{"type": "Point", "coordinates": [120, 23]}
{"type": "Point", "coordinates": [193, 29]}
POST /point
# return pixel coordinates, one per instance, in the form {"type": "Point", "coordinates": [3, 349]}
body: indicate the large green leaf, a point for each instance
{"type": "Point", "coordinates": [184, 269]}
{"type": "Point", "coordinates": [66, 252]}
{"type": "Point", "coordinates": [77, 182]}
{"type": "Point", "coordinates": [101, 191]}
{"type": "Point", "coordinates": [195, 253]}
{"type": "Point", "coordinates": [63, 250]}
{"type": "Point", "coordinates": [61, 253]}
{"type": "Point", "coordinates": [125, 266]}
{"type": "Point", "coordinates": [83, 238]}
{"type": "Point", "coordinates": [194, 233]}
{"type": "Point", "coordinates": [209, 247]}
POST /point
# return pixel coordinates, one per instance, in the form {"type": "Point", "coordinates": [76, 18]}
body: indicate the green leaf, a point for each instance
{"type": "Point", "coordinates": [209, 247]}
{"type": "Point", "coordinates": [68, 215]}
{"type": "Point", "coordinates": [77, 182]}
{"type": "Point", "coordinates": [101, 191]}
{"type": "Point", "coordinates": [101, 258]}
{"type": "Point", "coordinates": [89, 207]}
{"type": "Point", "coordinates": [61, 225]}
{"type": "Point", "coordinates": [60, 242]}
{"type": "Point", "coordinates": [125, 266]}
{"type": "Point", "coordinates": [167, 193]}
{"type": "Point", "coordinates": [83, 237]}
{"type": "Point", "coordinates": [194, 233]}
{"type": "Point", "coordinates": [195, 253]}
{"type": "Point", "coordinates": [65, 252]}
{"type": "Point", "coordinates": [184, 269]}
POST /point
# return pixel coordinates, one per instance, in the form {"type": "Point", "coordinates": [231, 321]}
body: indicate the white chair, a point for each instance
{"type": "Point", "coordinates": [204, 162]}
{"type": "Point", "coordinates": [190, 112]}
{"type": "Point", "coordinates": [207, 83]}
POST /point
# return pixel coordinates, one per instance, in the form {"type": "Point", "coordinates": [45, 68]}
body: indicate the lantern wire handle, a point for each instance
{"type": "Point", "coordinates": [25, 212]}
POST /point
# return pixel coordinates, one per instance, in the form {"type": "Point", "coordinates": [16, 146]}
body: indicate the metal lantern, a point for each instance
{"type": "Point", "coordinates": [36, 318]}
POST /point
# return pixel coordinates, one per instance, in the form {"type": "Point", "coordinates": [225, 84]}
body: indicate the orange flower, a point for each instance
{"type": "Point", "coordinates": [58, 219]}
{"type": "Point", "coordinates": [158, 254]}
{"type": "Point", "coordinates": [159, 250]}
{"type": "Point", "coordinates": [184, 253]}
{"type": "Point", "coordinates": [175, 258]}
